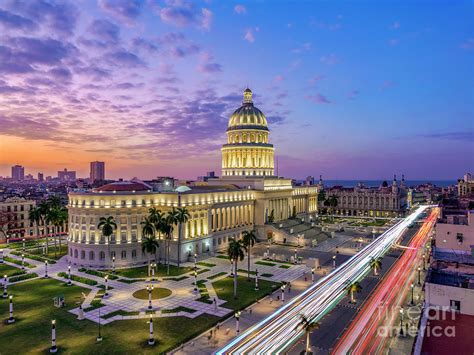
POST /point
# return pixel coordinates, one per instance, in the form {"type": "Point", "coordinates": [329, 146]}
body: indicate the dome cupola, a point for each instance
{"type": "Point", "coordinates": [247, 115]}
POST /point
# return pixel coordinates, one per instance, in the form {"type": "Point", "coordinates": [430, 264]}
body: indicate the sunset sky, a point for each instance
{"type": "Point", "coordinates": [351, 90]}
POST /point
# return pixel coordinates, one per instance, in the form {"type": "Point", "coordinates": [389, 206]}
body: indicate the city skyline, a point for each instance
{"type": "Point", "coordinates": [353, 92]}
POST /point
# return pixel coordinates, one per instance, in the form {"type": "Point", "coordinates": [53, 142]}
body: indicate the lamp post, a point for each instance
{"type": "Point", "coordinates": [150, 290]}
{"type": "Point", "coordinates": [151, 339]}
{"type": "Point", "coordinates": [23, 261]}
{"type": "Point", "coordinates": [53, 337]}
{"type": "Point", "coordinates": [113, 264]}
{"type": "Point", "coordinates": [11, 319]}
{"type": "Point", "coordinates": [282, 293]}
{"type": "Point", "coordinates": [46, 269]}
{"type": "Point", "coordinates": [5, 282]}
{"type": "Point", "coordinates": [195, 261]}
{"type": "Point", "coordinates": [153, 267]}
{"type": "Point", "coordinates": [401, 322]}
{"type": "Point", "coordinates": [106, 285]}
{"type": "Point", "coordinates": [412, 286]}
{"type": "Point", "coordinates": [334, 262]}
{"type": "Point", "coordinates": [256, 279]}
{"type": "Point", "coordinates": [195, 280]}
{"type": "Point", "coordinates": [231, 267]}
{"type": "Point", "coordinates": [99, 336]}
{"type": "Point", "coordinates": [237, 318]}
{"type": "Point", "coordinates": [419, 276]}
{"type": "Point", "coordinates": [23, 244]}
{"type": "Point", "coordinates": [312, 274]}
{"type": "Point", "coordinates": [424, 262]}
{"type": "Point", "coordinates": [69, 283]}
{"type": "Point", "coordinates": [268, 249]}
{"type": "Point", "coordinates": [296, 255]}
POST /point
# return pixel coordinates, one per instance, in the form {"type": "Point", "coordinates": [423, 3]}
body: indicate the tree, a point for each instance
{"type": "Point", "coordinates": [150, 245]}
{"type": "Point", "coordinates": [376, 264]}
{"type": "Point", "coordinates": [167, 228]}
{"type": "Point", "coordinates": [52, 218]}
{"type": "Point", "coordinates": [62, 218]}
{"type": "Point", "coordinates": [331, 202]}
{"type": "Point", "coordinates": [107, 226]}
{"type": "Point", "coordinates": [182, 216]}
{"type": "Point", "coordinates": [43, 207]}
{"type": "Point", "coordinates": [35, 217]}
{"type": "Point", "coordinates": [293, 214]}
{"type": "Point", "coordinates": [148, 231]}
{"type": "Point", "coordinates": [353, 288]}
{"type": "Point", "coordinates": [271, 217]}
{"type": "Point", "coordinates": [249, 239]}
{"type": "Point", "coordinates": [157, 218]}
{"type": "Point", "coordinates": [308, 326]}
{"type": "Point", "coordinates": [235, 251]}
{"type": "Point", "coordinates": [321, 196]}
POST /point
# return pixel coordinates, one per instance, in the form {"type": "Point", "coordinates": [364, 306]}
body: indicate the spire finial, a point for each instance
{"type": "Point", "coordinates": [247, 96]}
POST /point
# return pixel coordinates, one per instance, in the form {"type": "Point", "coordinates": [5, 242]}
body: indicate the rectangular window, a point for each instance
{"type": "Point", "coordinates": [124, 254]}
{"type": "Point", "coordinates": [134, 254]}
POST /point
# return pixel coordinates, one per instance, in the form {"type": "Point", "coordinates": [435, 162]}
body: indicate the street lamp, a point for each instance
{"type": "Point", "coordinates": [153, 267]}
{"type": "Point", "coordinates": [113, 264]}
{"type": "Point", "coordinates": [419, 276]}
{"type": "Point", "coordinates": [256, 279]}
{"type": "Point", "coordinates": [312, 274]}
{"type": "Point", "coordinates": [195, 280]}
{"type": "Point", "coordinates": [296, 255]}
{"type": "Point", "coordinates": [195, 261]}
{"type": "Point", "coordinates": [69, 275]}
{"type": "Point", "coordinates": [424, 262]}
{"type": "Point", "coordinates": [53, 337]}
{"type": "Point", "coordinates": [11, 319]}
{"type": "Point", "coordinates": [237, 317]}
{"type": "Point", "coordinates": [412, 286]}
{"type": "Point", "coordinates": [99, 336]}
{"type": "Point", "coordinates": [151, 339]}
{"type": "Point", "coordinates": [334, 262]}
{"type": "Point", "coordinates": [23, 261]}
{"type": "Point", "coordinates": [401, 322]}
{"type": "Point", "coordinates": [231, 267]}
{"type": "Point", "coordinates": [5, 282]}
{"type": "Point", "coordinates": [282, 293]}
{"type": "Point", "coordinates": [106, 285]}
{"type": "Point", "coordinates": [150, 290]}
{"type": "Point", "coordinates": [46, 269]}
{"type": "Point", "coordinates": [23, 244]}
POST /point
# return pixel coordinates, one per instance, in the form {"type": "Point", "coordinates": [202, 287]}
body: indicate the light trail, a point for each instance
{"type": "Point", "coordinates": [363, 336]}
{"type": "Point", "coordinates": [282, 328]}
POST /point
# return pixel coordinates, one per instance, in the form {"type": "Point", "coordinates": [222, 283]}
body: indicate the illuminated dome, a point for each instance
{"type": "Point", "coordinates": [247, 115]}
{"type": "Point", "coordinates": [247, 151]}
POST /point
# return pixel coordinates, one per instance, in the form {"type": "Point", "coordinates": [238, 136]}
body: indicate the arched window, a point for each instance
{"type": "Point", "coordinates": [70, 251]}
{"type": "Point", "coordinates": [75, 253]}
{"type": "Point", "coordinates": [83, 254]}
{"type": "Point", "coordinates": [102, 255]}
{"type": "Point", "coordinates": [124, 254]}
{"type": "Point", "coordinates": [91, 255]}
{"type": "Point", "coordinates": [134, 254]}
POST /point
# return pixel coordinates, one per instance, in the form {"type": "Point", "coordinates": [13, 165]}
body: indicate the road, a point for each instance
{"type": "Point", "coordinates": [280, 330]}
{"type": "Point", "coordinates": [364, 334]}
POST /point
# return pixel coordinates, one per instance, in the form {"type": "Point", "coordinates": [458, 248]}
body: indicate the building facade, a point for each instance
{"type": "Point", "coordinates": [466, 185]}
{"type": "Point", "coordinates": [18, 173]}
{"type": "Point", "coordinates": [244, 198]}
{"type": "Point", "coordinates": [97, 171]}
{"type": "Point", "coordinates": [67, 175]}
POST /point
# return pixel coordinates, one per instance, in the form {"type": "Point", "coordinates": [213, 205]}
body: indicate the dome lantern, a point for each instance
{"type": "Point", "coordinates": [247, 96]}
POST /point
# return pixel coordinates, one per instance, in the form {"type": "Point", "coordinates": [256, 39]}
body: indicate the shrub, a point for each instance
{"type": "Point", "coordinates": [23, 277]}
{"type": "Point", "coordinates": [79, 279]}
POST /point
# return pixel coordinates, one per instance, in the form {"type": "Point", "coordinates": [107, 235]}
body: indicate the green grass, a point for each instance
{"type": "Point", "coordinates": [181, 278]}
{"type": "Point", "coordinates": [246, 294]}
{"type": "Point", "coordinates": [201, 284]}
{"type": "Point", "coordinates": [284, 266]}
{"type": "Point", "coordinates": [215, 276]}
{"type": "Point", "coordinates": [95, 303]}
{"type": "Point", "coordinates": [179, 309]}
{"type": "Point", "coordinates": [267, 275]}
{"type": "Point", "coordinates": [120, 313]}
{"type": "Point", "coordinates": [157, 293]}
{"type": "Point", "coordinates": [201, 263]}
{"type": "Point", "coordinates": [202, 271]}
{"type": "Point", "coordinates": [98, 273]}
{"type": "Point", "coordinates": [142, 271]}
{"type": "Point", "coordinates": [81, 279]}
{"type": "Point", "coordinates": [23, 277]}
{"type": "Point", "coordinates": [18, 262]}
{"type": "Point", "coordinates": [222, 257]}
{"type": "Point", "coordinates": [265, 263]}
{"type": "Point", "coordinates": [34, 257]}
{"type": "Point", "coordinates": [51, 251]}
{"type": "Point", "coordinates": [9, 270]}
{"type": "Point", "coordinates": [34, 311]}
{"type": "Point", "coordinates": [246, 272]}
{"type": "Point", "coordinates": [126, 281]}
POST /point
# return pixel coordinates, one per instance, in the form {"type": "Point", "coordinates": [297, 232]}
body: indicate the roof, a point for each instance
{"type": "Point", "coordinates": [124, 186]}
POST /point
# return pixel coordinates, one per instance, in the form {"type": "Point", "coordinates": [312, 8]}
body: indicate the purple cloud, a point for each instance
{"type": "Point", "coordinates": [104, 30]}
{"type": "Point", "coordinates": [353, 94]}
{"type": "Point", "coordinates": [467, 136]}
{"type": "Point", "coordinates": [210, 68]}
{"type": "Point", "coordinates": [10, 20]}
{"type": "Point", "coordinates": [184, 51]}
{"type": "Point", "coordinates": [184, 13]}
{"type": "Point", "coordinates": [125, 10]}
{"type": "Point", "coordinates": [468, 44]}
{"type": "Point", "coordinates": [240, 9]}
{"type": "Point", "coordinates": [318, 99]}
{"type": "Point", "coordinates": [124, 58]}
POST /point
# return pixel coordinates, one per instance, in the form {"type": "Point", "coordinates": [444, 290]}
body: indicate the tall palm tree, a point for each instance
{"type": "Point", "coordinates": [150, 245]}
{"type": "Point", "coordinates": [249, 238]}
{"type": "Point", "coordinates": [43, 207]}
{"type": "Point", "coordinates": [235, 251]}
{"type": "Point", "coordinates": [62, 220]}
{"type": "Point", "coordinates": [35, 216]}
{"type": "Point", "coordinates": [331, 202]}
{"type": "Point", "coordinates": [308, 326]}
{"type": "Point", "coordinates": [182, 216]}
{"type": "Point", "coordinates": [52, 218]}
{"type": "Point", "coordinates": [157, 218]}
{"type": "Point", "coordinates": [107, 226]}
{"type": "Point", "coordinates": [353, 288]}
{"type": "Point", "coordinates": [376, 264]}
{"type": "Point", "coordinates": [168, 228]}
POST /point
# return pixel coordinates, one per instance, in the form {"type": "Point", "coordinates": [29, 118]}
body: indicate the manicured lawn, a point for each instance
{"type": "Point", "coordinates": [142, 271]}
{"type": "Point", "coordinates": [18, 262]}
{"type": "Point", "coordinates": [215, 276]}
{"type": "Point", "coordinates": [157, 293]}
{"type": "Point", "coordinates": [34, 310]}
{"type": "Point", "coordinates": [8, 270]}
{"type": "Point", "coordinates": [51, 251]}
{"type": "Point", "coordinates": [120, 313]}
{"type": "Point", "coordinates": [265, 263]}
{"type": "Point", "coordinates": [201, 263]}
{"type": "Point", "coordinates": [246, 294]}
{"type": "Point", "coordinates": [179, 309]}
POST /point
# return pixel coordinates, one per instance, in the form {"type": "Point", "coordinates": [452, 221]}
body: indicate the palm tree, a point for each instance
{"type": "Point", "coordinates": [376, 264]}
{"type": "Point", "coordinates": [308, 327]}
{"type": "Point", "coordinates": [43, 207]}
{"type": "Point", "coordinates": [150, 245]}
{"type": "Point", "coordinates": [62, 219]}
{"type": "Point", "coordinates": [235, 251]}
{"type": "Point", "coordinates": [249, 239]}
{"type": "Point", "coordinates": [52, 218]}
{"type": "Point", "coordinates": [354, 287]}
{"type": "Point", "coordinates": [157, 218]}
{"type": "Point", "coordinates": [167, 228]}
{"type": "Point", "coordinates": [107, 226]}
{"type": "Point", "coordinates": [35, 217]}
{"type": "Point", "coordinates": [182, 216]}
{"type": "Point", "coordinates": [331, 202]}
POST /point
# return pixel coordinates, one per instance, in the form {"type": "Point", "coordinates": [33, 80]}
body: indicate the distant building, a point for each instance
{"type": "Point", "coordinates": [97, 171]}
{"type": "Point", "coordinates": [415, 197]}
{"type": "Point", "coordinates": [309, 181]}
{"type": "Point", "coordinates": [456, 232]}
{"type": "Point", "coordinates": [16, 210]}
{"type": "Point", "coordinates": [466, 185]}
{"type": "Point", "coordinates": [66, 175]}
{"type": "Point", "coordinates": [209, 175]}
{"type": "Point", "coordinates": [40, 177]}
{"type": "Point", "coordinates": [18, 173]}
